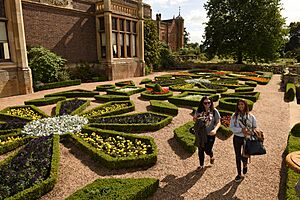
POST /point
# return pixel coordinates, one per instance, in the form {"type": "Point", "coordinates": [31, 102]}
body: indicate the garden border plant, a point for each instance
{"type": "Point", "coordinates": [103, 88]}
{"type": "Point", "coordinates": [129, 93]}
{"type": "Point", "coordinates": [44, 101]}
{"type": "Point", "coordinates": [290, 92]}
{"type": "Point", "coordinates": [178, 99]}
{"type": "Point", "coordinates": [253, 96]}
{"type": "Point", "coordinates": [111, 97]}
{"type": "Point", "coordinates": [115, 162]}
{"type": "Point", "coordinates": [73, 93]}
{"type": "Point", "coordinates": [147, 95]}
{"type": "Point", "coordinates": [163, 107]}
{"type": "Point", "coordinates": [185, 138]}
{"type": "Point", "coordinates": [31, 107]}
{"type": "Point", "coordinates": [229, 103]}
{"type": "Point", "coordinates": [74, 112]}
{"type": "Point", "coordinates": [53, 85]}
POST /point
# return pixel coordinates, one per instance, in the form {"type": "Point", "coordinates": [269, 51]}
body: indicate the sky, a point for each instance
{"type": "Point", "coordinates": [194, 13]}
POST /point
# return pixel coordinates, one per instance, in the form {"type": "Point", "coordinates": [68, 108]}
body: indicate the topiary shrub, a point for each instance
{"type": "Point", "coordinates": [290, 92]}
{"type": "Point", "coordinates": [296, 130]}
{"type": "Point", "coordinates": [46, 66]}
{"type": "Point", "coordinates": [157, 88]}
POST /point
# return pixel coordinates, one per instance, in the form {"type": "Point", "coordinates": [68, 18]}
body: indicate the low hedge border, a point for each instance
{"type": "Point", "coordinates": [145, 80]}
{"type": "Point", "coordinates": [251, 83]}
{"type": "Point", "coordinates": [9, 131]}
{"type": "Point", "coordinates": [228, 85]}
{"type": "Point", "coordinates": [44, 101]}
{"type": "Point", "coordinates": [119, 188]}
{"type": "Point", "coordinates": [133, 127]}
{"type": "Point", "coordinates": [125, 83]}
{"type": "Point", "coordinates": [111, 97]}
{"type": "Point", "coordinates": [163, 107]}
{"type": "Point", "coordinates": [112, 162]}
{"type": "Point", "coordinates": [253, 96]}
{"type": "Point", "coordinates": [116, 92]}
{"type": "Point", "coordinates": [244, 89]}
{"type": "Point", "coordinates": [149, 96]}
{"type": "Point", "coordinates": [103, 88]}
{"type": "Point", "coordinates": [76, 111]}
{"type": "Point", "coordinates": [290, 92]}
{"type": "Point", "coordinates": [130, 108]}
{"type": "Point", "coordinates": [177, 100]}
{"type": "Point", "coordinates": [217, 88]}
{"type": "Point", "coordinates": [292, 177]}
{"type": "Point", "coordinates": [229, 103]}
{"type": "Point", "coordinates": [185, 138]}
{"type": "Point", "coordinates": [38, 190]}
{"type": "Point", "coordinates": [57, 85]}
{"type": "Point", "coordinates": [73, 93]}
{"type": "Point", "coordinates": [201, 90]}
{"type": "Point", "coordinates": [15, 144]}
{"type": "Point", "coordinates": [32, 107]}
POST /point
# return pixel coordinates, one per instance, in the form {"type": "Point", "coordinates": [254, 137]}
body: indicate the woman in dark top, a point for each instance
{"type": "Point", "coordinates": [207, 122]}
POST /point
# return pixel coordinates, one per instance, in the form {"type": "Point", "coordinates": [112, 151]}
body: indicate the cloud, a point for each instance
{"type": "Point", "coordinates": [290, 10]}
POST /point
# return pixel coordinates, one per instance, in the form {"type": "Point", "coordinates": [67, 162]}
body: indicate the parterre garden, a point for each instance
{"type": "Point", "coordinates": [111, 133]}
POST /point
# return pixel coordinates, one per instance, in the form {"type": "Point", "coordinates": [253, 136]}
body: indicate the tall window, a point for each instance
{"type": "Point", "coordinates": [102, 37]}
{"type": "Point", "coordinates": [128, 49]}
{"type": "Point", "coordinates": [122, 45]}
{"type": "Point", "coordinates": [114, 45]}
{"type": "Point", "coordinates": [4, 47]}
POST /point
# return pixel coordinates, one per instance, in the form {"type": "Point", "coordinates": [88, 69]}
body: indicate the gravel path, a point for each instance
{"type": "Point", "coordinates": [176, 169]}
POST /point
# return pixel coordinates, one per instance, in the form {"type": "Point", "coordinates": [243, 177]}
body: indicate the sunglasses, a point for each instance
{"type": "Point", "coordinates": [206, 103]}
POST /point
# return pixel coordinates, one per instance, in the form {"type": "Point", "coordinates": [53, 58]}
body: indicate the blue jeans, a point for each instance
{"type": "Point", "coordinates": [207, 149]}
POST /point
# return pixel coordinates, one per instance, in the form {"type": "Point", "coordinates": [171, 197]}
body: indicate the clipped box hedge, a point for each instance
{"type": "Point", "coordinates": [117, 189]}
{"type": "Point", "coordinates": [145, 80]}
{"type": "Point", "coordinates": [76, 111]}
{"type": "Point", "coordinates": [244, 89]}
{"type": "Point", "coordinates": [105, 87]}
{"type": "Point", "coordinates": [103, 107]}
{"type": "Point", "coordinates": [14, 144]}
{"type": "Point", "coordinates": [253, 96]}
{"type": "Point", "coordinates": [179, 99]}
{"type": "Point", "coordinates": [191, 88]}
{"type": "Point", "coordinates": [39, 189]}
{"type": "Point", "coordinates": [132, 127]}
{"type": "Point", "coordinates": [163, 107]}
{"type": "Point", "coordinates": [74, 93]}
{"type": "Point", "coordinates": [125, 83]}
{"type": "Point", "coordinates": [148, 95]}
{"type": "Point", "coordinates": [116, 162]}
{"type": "Point", "coordinates": [229, 103]}
{"type": "Point", "coordinates": [132, 90]}
{"type": "Point", "coordinates": [251, 83]}
{"type": "Point", "coordinates": [30, 107]}
{"type": "Point", "coordinates": [185, 138]}
{"type": "Point", "coordinates": [57, 85]}
{"type": "Point", "coordinates": [111, 97]}
{"type": "Point", "coordinates": [290, 92]}
{"type": "Point", "coordinates": [5, 119]}
{"type": "Point", "coordinates": [44, 101]}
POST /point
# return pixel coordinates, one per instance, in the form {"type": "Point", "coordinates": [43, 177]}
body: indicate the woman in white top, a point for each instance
{"type": "Point", "coordinates": [242, 123]}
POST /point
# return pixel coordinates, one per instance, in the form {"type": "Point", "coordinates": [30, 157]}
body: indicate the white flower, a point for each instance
{"type": "Point", "coordinates": [55, 125]}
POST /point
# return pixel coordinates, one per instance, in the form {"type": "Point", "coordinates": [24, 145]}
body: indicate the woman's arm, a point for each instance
{"type": "Point", "coordinates": [235, 128]}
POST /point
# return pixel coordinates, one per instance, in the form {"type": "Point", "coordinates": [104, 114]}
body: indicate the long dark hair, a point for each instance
{"type": "Point", "coordinates": [237, 110]}
{"type": "Point", "coordinates": [201, 107]}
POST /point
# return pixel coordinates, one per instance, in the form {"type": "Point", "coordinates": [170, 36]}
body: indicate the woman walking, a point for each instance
{"type": "Point", "coordinates": [207, 122]}
{"type": "Point", "coordinates": [241, 124]}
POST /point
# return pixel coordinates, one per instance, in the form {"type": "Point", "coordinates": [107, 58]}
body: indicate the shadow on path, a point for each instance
{"type": "Point", "coordinates": [178, 149]}
{"type": "Point", "coordinates": [176, 187]}
{"type": "Point", "coordinates": [227, 192]}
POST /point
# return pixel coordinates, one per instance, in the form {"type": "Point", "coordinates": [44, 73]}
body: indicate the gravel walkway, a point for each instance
{"type": "Point", "coordinates": [176, 169]}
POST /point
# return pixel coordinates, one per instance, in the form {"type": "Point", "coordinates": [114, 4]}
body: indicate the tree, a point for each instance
{"type": "Point", "coordinates": [186, 37]}
{"type": "Point", "coordinates": [244, 29]}
{"type": "Point", "coordinates": [294, 37]}
{"type": "Point", "coordinates": [151, 44]}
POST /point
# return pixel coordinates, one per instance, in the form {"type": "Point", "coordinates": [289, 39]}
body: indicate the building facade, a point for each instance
{"type": "Point", "coordinates": [171, 31]}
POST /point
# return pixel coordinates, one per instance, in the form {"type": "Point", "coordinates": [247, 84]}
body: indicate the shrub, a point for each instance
{"type": "Point", "coordinates": [45, 65]}
{"type": "Point", "coordinates": [296, 130]}
{"type": "Point", "coordinates": [290, 92]}
{"type": "Point", "coordinates": [86, 72]}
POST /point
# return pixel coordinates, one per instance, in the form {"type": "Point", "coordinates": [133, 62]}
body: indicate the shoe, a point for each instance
{"type": "Point", "coordinates": [200, 167]}
{"type": "Point", "coordinates": [212, 160]}
{"type": "Point", "coordinates": [238, 178]}
{"type": "Point", "coordinates": [245, 169]}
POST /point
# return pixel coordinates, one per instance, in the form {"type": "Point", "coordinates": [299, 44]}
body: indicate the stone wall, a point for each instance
{"type": "Point", "coordinates": [126, 68]}
{"type": "Point", "coordinates": [70, 33]}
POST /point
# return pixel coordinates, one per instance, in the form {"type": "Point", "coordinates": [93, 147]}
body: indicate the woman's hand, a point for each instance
{"type": "Point", "coordinates": [246, 132]}
{"type": "Point", "coordinates": [212, 133]}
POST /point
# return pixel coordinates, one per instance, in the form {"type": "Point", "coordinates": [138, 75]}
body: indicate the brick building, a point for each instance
{"type": "Point", "coordinates": [171, 31]}
{"type": "Point", "coordinates": [107, 32]}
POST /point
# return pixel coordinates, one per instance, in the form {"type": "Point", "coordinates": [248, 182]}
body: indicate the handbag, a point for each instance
{"type": "Point", "coordinates": [254, 146]}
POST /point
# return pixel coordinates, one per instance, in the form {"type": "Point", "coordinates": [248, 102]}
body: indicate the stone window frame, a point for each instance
{"type": "Point", "coordinates": [102, 36]}
{"type": "Point", "coordinates": [4, 46]}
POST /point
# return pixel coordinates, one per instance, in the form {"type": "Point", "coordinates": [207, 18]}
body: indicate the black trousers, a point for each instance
{"type": "Point", "coordinates": [238, 143]}
{"type": "Point", "coordinates": [207, 149]}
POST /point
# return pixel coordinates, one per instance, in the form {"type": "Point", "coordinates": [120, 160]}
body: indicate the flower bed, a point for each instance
{"type": "Point", "coordinates": [127, 90]}
{"type": "Point", "coordinates": [117, 188]}
{"type": "Point", "coordinates": [137, 122]}
{"type": "Point", "coordinates": [32, 171]}
{"type": "Point", "coordinates": [163, 107]}
{"type": "Point", "coordinates": [110, 108]}
{"type": "Point", "coordinates": [11, 141]}
{"type": "Point", "coordinates": [191, 88]}
{"type": "Point", "coordinates": [116, 150]}
{"type": "Point", "coordinates": [191, 98]}
{"type": "Point", "coordinates": [74, 93]}
{"type": "Point", "coordinates": [71, 106]}
{"type": "Point", "coordinates": [28, 111]}
{"type": "Point", "coordinates": [44, 101]}
{"type": "Point", "coordinates": [56, 125]}
{"type": "Point", "coordinates": [152, 94]}
{"type": "Point", "coordinates": [218, 88]}
{"type": "Point", "coordinates": [8, 122]}
{"type": "Point", "coordinates": [259, 80]}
